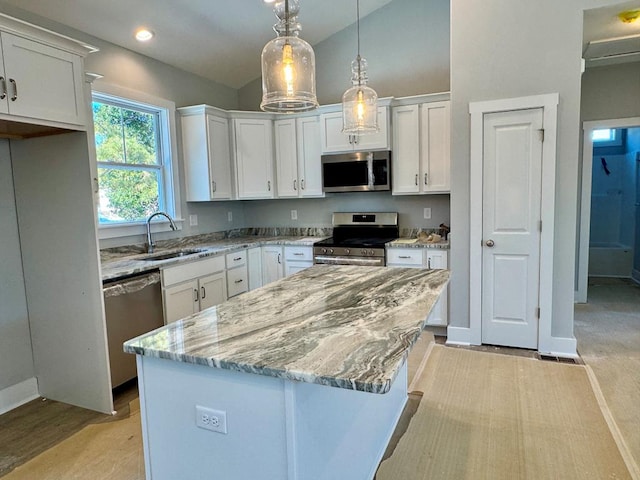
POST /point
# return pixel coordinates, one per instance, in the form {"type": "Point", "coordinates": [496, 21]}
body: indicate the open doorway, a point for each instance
{"type": "Point", "coordinates": [609, 222]}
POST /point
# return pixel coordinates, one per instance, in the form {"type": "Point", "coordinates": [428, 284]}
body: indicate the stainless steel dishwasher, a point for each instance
{"type": "Point", "coordinates": [133, 306]}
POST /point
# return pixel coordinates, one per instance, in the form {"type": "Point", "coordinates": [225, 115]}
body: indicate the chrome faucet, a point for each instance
{"type": "Point", "coordinates": [150, 244]}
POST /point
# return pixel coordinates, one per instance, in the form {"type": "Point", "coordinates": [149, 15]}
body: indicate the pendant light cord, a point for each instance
{"type": "Point", "coordinates": [286, 17]}
{"type": "Point", "coordinates": [358, 58]}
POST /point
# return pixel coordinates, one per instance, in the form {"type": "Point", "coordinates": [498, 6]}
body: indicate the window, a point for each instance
{"type": "Point", "coordinates": [133, 151]}
{"type": "Point", "coordinates": [606, 137]}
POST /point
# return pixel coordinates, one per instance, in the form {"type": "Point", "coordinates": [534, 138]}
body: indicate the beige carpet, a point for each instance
{"type": "Point", "coordinates": [104, 451]}
{"type": "Point", "coordinates": [608, 332]}
{"type": "Point", "coordinates": [490, 416]}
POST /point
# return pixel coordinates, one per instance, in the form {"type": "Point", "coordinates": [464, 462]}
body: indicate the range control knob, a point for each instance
{"type": "Point", "coordinates": [363, 251]}
{"type": "Point", "coordinates": [347, 251]}
{"type": "Point", "coordinates": [371, 252]}
{"type": "Point", "coordinates": [331, 250]}
{"type": "Point", "coordinates": [324, 250]}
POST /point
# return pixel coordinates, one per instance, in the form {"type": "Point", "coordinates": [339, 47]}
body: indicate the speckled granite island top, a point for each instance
{"type": "Point", "coordinates": [342, 326]}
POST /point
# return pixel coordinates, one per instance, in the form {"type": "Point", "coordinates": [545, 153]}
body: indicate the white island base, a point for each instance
{"type": "Point", "coordinates": [277, 429]}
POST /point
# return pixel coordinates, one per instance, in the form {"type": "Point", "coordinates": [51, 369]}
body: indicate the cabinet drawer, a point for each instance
{"type": "Point", "coordinates": [298, 253]}
{"type": "Point", "coordinates": [191, 270]}
{"type": "Point", "coordinates": [405, 256]}
{"type": "Point", "coordinates": [236, 259]}
{"type": "Point", "coordinates": [237, 281]}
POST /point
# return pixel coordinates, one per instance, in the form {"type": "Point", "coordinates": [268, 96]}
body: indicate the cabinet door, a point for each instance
{"type": "Point", "coordinates": [254, 264]}
{"type": "Point", "coordinates": [295, 267]}
{"type": "Point", "coordinates": [254, 158]}
{"type": "Point", "coordinates": [436, 258]}
{"type": "Point", "coordinates": [439, 315]}
{"type": "Point", "coordinates": [375, 141]}
{"type": "Point", "coordinates": [332, 138]}
{"type": "Point", "coordinates": [286, 158]}
{"type": "Point", "coordinates": [213, 290]}
{"type": "Point", "coordinates": [406, 150]}
{"type": "Point", "coordinates": [272, 264]}
{"type": "Point", "coordinates": [180, 301]}
{"type": "Point", "coordinates": [219, 158]}
{"type": "Point", "coordinates": [435, 147]}
{"type": "Point", "coordinates": [47, 83]}
{"type": "Point", "coordinates": [309, 157]}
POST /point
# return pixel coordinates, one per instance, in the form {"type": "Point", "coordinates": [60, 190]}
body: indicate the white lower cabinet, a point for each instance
{"type": "Point", "coordinates": [254, 267]}
{"type": "Point", "coordinates": [237, 275]}
{"type": "Point", "coordinates": [297, 259]}
{"type": "Point", "coordinates": [272, 264]}
{"type": "Point", "coordinates": [424, 258]}
{"type": "Point", "coordinates": [191, 287]}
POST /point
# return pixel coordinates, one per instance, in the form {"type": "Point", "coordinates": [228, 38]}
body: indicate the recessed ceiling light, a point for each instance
{"type": "Point", "coordinates": [144, 35]}
{"type": "Point", "coordinates": [629, 16]}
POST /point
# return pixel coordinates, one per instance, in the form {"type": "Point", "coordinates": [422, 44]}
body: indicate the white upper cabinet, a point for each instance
{"type": "Point", "coordinates": [41, 78]}
{"type": "Point", "coordinates": [421, 148]}
{"type": "Point", "coordinates": [334, 141]}
{"type": "Point", "coordinates": [298, 165]}
{"type": "Point", "coordinates": [254, 158]}
{"type": "Point", "coordinates": [207, 154]}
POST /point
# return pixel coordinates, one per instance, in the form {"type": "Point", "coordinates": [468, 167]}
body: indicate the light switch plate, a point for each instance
{"type": "Point", "coordinates": [193, 220]}
{"type": "Point", "coordinates": [427, 213]}
{"type": "Point", "coordinates": [230, 216]}
{"type": "Point", "coordinates": [294, 214]}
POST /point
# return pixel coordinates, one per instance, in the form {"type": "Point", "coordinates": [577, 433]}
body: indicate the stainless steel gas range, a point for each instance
{"type": "Point", "coordinates": [358, 239]}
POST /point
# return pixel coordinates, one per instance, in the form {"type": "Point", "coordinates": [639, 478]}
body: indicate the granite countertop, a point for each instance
{"type": "Point", "coordinates": [124, 264]}
{"type": "Point", "coordinates": [415, 243]}
{"type": "Point", "coordinates": [342, 326]}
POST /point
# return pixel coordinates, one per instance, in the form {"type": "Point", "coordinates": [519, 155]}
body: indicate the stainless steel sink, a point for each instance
{"type": "Point", "coordinates": [175, 254]}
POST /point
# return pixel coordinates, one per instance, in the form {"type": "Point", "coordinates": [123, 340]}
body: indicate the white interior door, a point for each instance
{"type": "Point", "coordinates": [512, 173]}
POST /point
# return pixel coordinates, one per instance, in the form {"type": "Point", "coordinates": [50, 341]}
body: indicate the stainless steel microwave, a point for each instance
{"type": "Point", "coordinates": [356, 171]}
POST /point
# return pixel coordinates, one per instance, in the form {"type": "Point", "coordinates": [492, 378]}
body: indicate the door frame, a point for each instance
{"type": "Point", "coordinates": [585, 197]}
{"type": "Point", "coordinates": [477, 110]}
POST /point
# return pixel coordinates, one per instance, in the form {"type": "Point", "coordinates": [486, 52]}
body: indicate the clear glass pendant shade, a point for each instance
{"type": "Point", "coordinates": [288, 66]}
{"type": "Point", "coordinates": [360, 102]}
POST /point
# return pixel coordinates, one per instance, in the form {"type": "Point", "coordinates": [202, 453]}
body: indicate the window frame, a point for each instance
{"type": "Point", "coordinates": [615, 142]}
{"type": "Point", "coordinates": [167, 146]}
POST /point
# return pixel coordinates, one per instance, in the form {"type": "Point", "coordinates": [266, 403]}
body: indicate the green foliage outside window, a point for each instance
{"type": "Point", "coordinates": [129, 172]}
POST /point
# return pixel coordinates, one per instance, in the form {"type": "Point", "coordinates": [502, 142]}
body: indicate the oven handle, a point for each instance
{"type": "Point", "coordinates": [375, 262]}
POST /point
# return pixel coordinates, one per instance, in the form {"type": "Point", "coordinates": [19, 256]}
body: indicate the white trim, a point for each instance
{"type": "Point", "coordinates": [458, 336]}
{"type": "Point", "coordinates": [142, 395]}
{"type": "Point", "coordinates": [564, 347]}
{"type": "Point", "coordinates": [549, 104]}
{"type": "Point", "coordinates": [290, 427]}
{"type": "Point", "coordinates": [169, 145]}
{"type": "Point", "coordinates": [18, 394]}
{"type": "Point", "coordinates": [585, 197]}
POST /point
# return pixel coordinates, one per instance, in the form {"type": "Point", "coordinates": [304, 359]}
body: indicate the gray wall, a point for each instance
{"type": "Point", "coordinates": [509, 49]}
{"type": "Point", "coordinates": [406, 44]}
{"type": "Point", "coordinates": [16, 361]}
{"type": "Point", "coordinates": [317, 212]}
{"type": "Point", "coordinates": [610, 92]}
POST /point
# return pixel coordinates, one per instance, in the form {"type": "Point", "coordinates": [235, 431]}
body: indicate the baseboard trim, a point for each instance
{"type": "Point", "coordinates": [18, 394]}
{"type": "Point", "coordinates": [565, 347]}
{"type": "Point", "coordinates": [458, 336]}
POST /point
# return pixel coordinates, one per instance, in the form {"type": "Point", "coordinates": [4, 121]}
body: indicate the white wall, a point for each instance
{"type": "Point", "coordinates": [317, 212]}
{"type": "Point", "coordinates": [16, 360]}
{"type": "Point", "coordinates": [511, 49]}
{"type": "Point", "coordinates": [406, 44]}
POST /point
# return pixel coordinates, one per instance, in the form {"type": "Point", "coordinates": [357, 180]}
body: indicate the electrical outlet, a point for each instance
{"type": "Point", "coordinates": [193, 220]}
{"type": "Point", "coordinates": [294, 214]}
{"type": "Point", "coordinates": [427, 213]}
{"type": "Point", "coordinates": [209, 419]}
{"type": "Point", "coordinates": [230, 216]}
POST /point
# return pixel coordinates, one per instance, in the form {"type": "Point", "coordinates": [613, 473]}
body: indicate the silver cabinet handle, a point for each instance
{"type": "Point", "coordinates": [238, 281]}
{"type": "Point", "coordinates": [302, 184]}
{"type": "Point", "coordinates": [404, 256]}
{"type": "Point", "coordinates": [425, 179]}
{"type": "Point", "coordinates": [237, 259]}
{"type": "Point", "coordinates": [14, 97]}
{"type": "Point", "coordinates": [355, 139]}
{"type": "Point", "coordinates": [490, 243]}
{"type": "Point", "coordinates": [213, 184]}
{"type": "Point", "coordinates": [204, 292]}
{"type": "Point", "coordinates": [269, 185]}
{"type": "Point", "coordinates": [416, 179]}
{"type": "Point", "coordinates": [295, 186]}
{"type": "Point", "coordinates": [429, 263]}
{"type": "Point", "coordinates": [195, 290]}
{"type": "Point", "coordinates": [279, 259]}
{"type": "Point", "coordinates": [298, 254]}
{"type": "Point", "coordinates": [4, 88]}
{"type": "Point", "coordinates": [97, 185]}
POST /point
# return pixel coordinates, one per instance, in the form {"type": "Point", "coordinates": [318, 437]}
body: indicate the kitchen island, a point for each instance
{"type": "Point", "coordinates": [307, 377]}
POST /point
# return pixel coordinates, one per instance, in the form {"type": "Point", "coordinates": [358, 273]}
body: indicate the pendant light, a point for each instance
{"type": "Point", "coordinates": [288, 65]}
{"type": "Point", "coordinates": [360, 102]}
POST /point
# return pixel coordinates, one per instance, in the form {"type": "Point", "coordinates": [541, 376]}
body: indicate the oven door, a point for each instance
{"type": "Point", "coordinates": [362, 261]}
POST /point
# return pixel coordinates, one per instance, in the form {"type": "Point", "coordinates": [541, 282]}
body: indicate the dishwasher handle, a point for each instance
{"type": "Point", "coordinates": [131, 285]}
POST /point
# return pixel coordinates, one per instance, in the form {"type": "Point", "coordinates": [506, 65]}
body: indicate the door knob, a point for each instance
{"type": "Point", "coordinates": [489, 243]}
